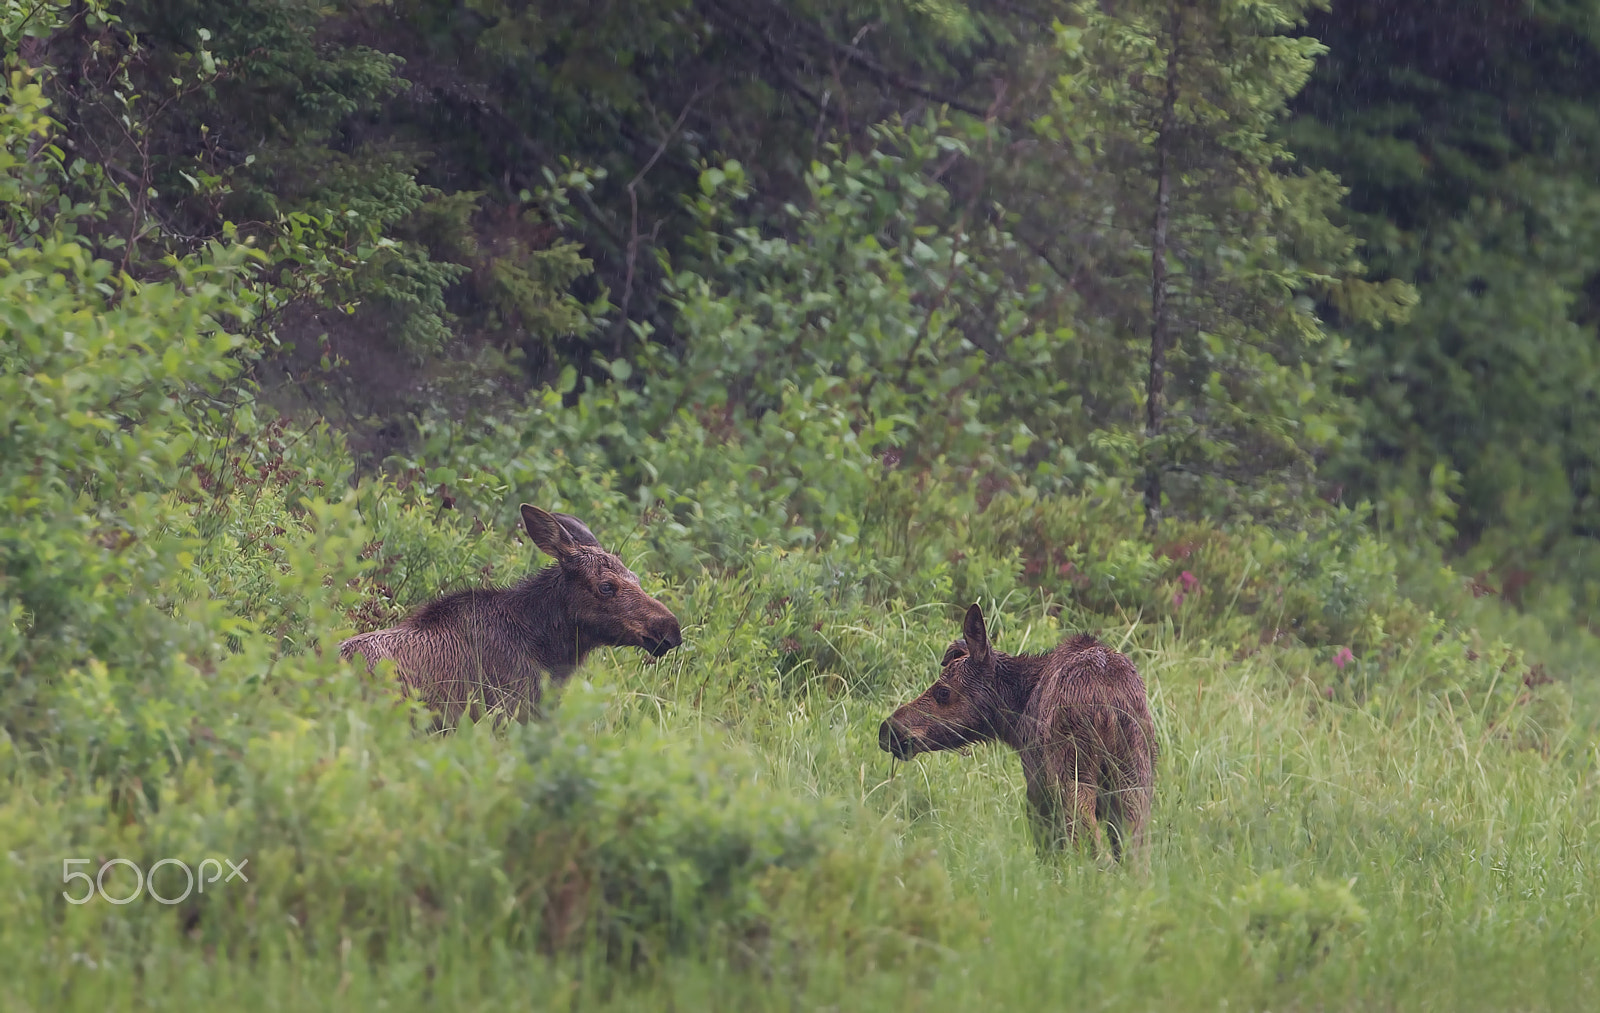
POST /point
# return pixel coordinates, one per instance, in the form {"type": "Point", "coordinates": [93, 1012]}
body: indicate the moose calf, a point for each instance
{"type": "Point", "coordinates": [492, 647]}
{"type": "Point", "coordinates": [1078, 716]}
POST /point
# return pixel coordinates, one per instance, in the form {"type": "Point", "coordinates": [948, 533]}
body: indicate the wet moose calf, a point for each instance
{"type": "Point", "coordinates": [493, 647]}
{"type": "Point", "coordinates": [1078, 716]}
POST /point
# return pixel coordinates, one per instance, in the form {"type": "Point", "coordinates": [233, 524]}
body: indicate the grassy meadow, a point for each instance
{"type": "Point", "coordinates": [1412, 829]}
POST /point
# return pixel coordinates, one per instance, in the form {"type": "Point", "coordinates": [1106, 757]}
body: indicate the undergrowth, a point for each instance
{"type": "Point", "coordinates": [1356, 805]}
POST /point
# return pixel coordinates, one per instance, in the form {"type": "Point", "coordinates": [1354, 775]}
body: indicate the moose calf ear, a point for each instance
{"type": "Point", "coordinates": [578, 530]}
{"type": "Point", "coordinates": [547, 532]}
{"type": "Point", "coordinates": [977, 637]}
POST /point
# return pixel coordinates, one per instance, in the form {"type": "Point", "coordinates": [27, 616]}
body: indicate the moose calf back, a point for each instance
{"type": "Point", "coordinates": [1092, 744]}
{"type": "Point", "coordinates": [466, 661]}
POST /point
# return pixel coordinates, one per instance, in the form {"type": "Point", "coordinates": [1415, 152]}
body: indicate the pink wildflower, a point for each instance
{"type": "Point", "coordinates": [1189, 581]}
{"type": "Point", "coordinates": [1177, 599]}
{"type": "Point", "coordinates": [1342, 656]}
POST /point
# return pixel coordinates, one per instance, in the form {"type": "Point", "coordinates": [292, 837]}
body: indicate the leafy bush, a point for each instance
{"type": "Point", "coordinates": [1292, 928]}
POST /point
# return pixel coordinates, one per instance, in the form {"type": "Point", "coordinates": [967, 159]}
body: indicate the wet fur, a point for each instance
{"type": "Point", "coordinates": [1078, 717]}
{"type": "Point", "coordinates": [492, 648]}
{"type": "Point", "coordinates": [1091, 731]}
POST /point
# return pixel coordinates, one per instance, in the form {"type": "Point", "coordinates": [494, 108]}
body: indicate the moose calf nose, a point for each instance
{"type": "Point", "coordinates": [663, 636]}
{"type": "Point", "coordinates": [889, 740]}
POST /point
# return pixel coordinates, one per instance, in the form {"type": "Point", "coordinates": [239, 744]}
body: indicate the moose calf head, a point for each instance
{"type": "Point", "coordinates": [602, 597]}
{"type": "Point", "coordinates": [965, 705]}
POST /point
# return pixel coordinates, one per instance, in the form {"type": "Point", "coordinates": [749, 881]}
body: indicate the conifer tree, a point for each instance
{"type": "Point", "coordinates": [1165, 116]}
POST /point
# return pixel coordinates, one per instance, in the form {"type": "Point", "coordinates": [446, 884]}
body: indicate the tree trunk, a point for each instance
{"type": "Point", "coordinates": [1160, 323]}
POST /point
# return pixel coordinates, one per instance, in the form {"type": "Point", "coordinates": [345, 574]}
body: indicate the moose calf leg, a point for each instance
{"type": "Point", "coordinates": [1045, 817]}
{"type": "Point", "coordinates": [1137, 841]}
{"type": "Point", "coordinates": [1081, 816]}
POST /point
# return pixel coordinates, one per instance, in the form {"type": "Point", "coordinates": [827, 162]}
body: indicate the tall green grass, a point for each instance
{"type": "Point", "coordinates": [1392, 844]}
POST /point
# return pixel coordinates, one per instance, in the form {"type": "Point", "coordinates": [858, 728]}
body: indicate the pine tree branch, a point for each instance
{"type": "Point", "coordinates": [851, 51]}
{"type": "Point", "coordinates": [633, 215]}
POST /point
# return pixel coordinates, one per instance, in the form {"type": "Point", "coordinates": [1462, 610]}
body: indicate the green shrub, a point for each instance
{"type": "Point", "coordinates": [1292, 928]}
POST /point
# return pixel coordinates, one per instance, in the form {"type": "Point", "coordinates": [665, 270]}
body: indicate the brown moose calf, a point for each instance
{"type": "Point", "coordinates": [1078, 716]}
{"type": "Point", "coordinates": [492, 648]}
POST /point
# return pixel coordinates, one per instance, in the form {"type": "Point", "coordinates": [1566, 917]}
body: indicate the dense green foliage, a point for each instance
{"type": "Point", "coordinates": [1467, 136]}
{"type": "Point", "coordinates": [829, 318]}
{"type": "Point", "coordinates": [502, 191]}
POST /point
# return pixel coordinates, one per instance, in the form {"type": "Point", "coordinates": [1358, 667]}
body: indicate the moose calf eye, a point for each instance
{"type": "Point", "coordinates": [608, 589]}
{"type": "Point", "coordinates": [941, 695]}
